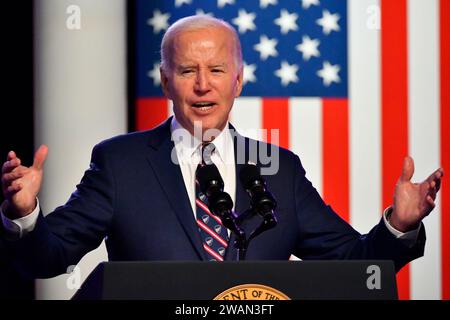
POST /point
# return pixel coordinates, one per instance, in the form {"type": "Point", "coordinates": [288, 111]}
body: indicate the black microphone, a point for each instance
{"type": "Point", "coordinates": [262, 201]}
{"type": "Point", "coordinates": [219, 202]}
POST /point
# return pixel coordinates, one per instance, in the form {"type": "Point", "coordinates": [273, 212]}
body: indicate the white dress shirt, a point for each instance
{"type": "Point", "coordinates": [188, 156]}
{"type": "Point", "coordinates": [188, 149]}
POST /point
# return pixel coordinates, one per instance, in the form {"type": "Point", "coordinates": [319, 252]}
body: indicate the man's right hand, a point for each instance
{"type": "Point", "coordinates": [21, 184]}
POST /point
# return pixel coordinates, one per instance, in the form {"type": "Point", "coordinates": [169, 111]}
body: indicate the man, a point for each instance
{"type": "Point", "coordinates": [139, 192]}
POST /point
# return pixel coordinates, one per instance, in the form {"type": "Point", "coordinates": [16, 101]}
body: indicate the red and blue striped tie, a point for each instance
{"type": "Point", "coordinates": [212, 231]}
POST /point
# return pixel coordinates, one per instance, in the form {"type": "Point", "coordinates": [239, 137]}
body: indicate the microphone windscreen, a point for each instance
{"type": "Point", "coordinates": [248, 174]}
{"type": "Point", "coordinates": [206, 174]}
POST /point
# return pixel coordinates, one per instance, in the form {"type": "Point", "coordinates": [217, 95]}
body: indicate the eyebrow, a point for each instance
{"type": "Point", "coordinates": [188, 66]}
{"type": "Point", "coordinates": [222, 65]}
{"type": "Point", "coordinates": [185, 66]}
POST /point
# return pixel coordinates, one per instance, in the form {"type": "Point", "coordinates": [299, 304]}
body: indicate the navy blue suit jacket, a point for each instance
{"type": "Point", "coordinates": [134, 196]}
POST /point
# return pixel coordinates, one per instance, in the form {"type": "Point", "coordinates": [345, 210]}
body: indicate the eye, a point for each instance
{"type": "Point", "coordinates": [187, 71]}
{"type": "Point", "coordinates": [215, 70]}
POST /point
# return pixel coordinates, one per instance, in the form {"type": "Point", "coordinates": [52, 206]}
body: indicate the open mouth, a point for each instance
{"type": "Point", "coordinates": [204, 105]}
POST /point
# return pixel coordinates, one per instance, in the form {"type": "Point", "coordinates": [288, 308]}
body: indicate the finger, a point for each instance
{"type": "Point", "coordinates": [11, 155]}
{"type": "Point", "coordinates": [8, 178]}
{"type": "Point", "coordinates": [438, 177]}
{"type": "Point", "coordinates": [11, 191]}
{"type": "Point", "coordinates": [21, 169]}
{"type": "Point", "coordinates": [15, 174]}
{"type": "Point", "coordinates": [430, 202]}
{"type": "Point", "coordinates": [10, 165]}
{"type": "Point", "coordinates": [432, 192]}
{"type": "Point", "coordinates": [408, 169]}
{"type": "Point", "coordinates": [14, 188]}
{"type": "Point", "coordinates": [435, 178]}
{"type": "Point", "coordinates": [40, 156]}
{"type": "Point", "coordinates": [438, 174]}
{"type": "Point", "coordinates": [438, 185]}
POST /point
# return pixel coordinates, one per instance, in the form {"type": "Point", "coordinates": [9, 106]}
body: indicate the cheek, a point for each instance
{"type": "Point", "coordinates": [226, 88]}
{"type": "Point", "coordinates": [178, 92]}
{"type": "Point", "coordinates": [232, 87]}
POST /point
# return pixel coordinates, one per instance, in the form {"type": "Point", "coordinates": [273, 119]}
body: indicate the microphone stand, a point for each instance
{"type": "Point", "coordinates": [230, 221]}
{"type": "Point", "coordinates": [241, 243]}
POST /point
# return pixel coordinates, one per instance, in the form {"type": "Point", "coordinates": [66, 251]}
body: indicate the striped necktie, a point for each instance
{"type": "Point", "coordinates": [214, 235]}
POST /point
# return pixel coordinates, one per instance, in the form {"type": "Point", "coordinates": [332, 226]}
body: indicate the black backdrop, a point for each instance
{"type": "Point", "coordinates": [16, 113]}
{"type": "Point", "coordinates": [16, 108]}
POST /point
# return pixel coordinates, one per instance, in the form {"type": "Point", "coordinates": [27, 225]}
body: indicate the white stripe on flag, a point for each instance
{"type": "Point", "coordinates": [305, 125]}
{"type": "Point", "coordinates": [365, 113]}
{"type": "Point", "coordinates": [246, 116]}
{"type": "Point", "coordinates": [424, 139]}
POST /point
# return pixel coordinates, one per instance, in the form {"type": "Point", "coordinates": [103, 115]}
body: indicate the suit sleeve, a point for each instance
{"type": "Point", "coordinates": [63, 237]}
{"type": "Point", "coordinates": [325, 235]}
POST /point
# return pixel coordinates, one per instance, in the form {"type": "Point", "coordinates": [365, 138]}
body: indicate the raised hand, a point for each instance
{"type": "Point", "coordinates": [413, 201]}
{"type": "Point", "coordinates": [21, 184]}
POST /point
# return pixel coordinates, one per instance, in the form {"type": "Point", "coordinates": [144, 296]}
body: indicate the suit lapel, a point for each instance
{"type": "Point", "coordinates": [171, 180]}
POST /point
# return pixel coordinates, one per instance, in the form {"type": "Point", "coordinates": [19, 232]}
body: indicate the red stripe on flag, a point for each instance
{"type": "Point", "coordinates": [336, 155]}
{"type": "Point", "coordinates": [275, 115]}
{"type": "Point", "coordinates": [394, 106]}
{"type": "Point", "coordinates": [445, 142]}
{"type": "Point", "coordinates": [150, 112]}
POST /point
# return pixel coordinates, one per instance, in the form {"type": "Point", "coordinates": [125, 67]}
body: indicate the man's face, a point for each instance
{"type": "Point", "coordinates": [203, 78]}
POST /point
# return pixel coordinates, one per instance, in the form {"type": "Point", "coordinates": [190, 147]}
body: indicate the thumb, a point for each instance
{"type": "Point", "coordinates": [408, 169]}
{"type": "Point", "coordinates": [40, 156]}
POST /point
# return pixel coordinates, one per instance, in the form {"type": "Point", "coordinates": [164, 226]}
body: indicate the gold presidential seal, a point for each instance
{"type": "Point", "coordinates": [252, 292]}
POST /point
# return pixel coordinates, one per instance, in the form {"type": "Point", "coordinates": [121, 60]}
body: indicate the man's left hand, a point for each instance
{"type": "Point", "coordinates": [413, 201]}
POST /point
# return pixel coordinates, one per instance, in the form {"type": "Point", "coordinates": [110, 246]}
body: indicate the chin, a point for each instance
{"type": "Point", "coordinates": [216, 126]}
{"type": "Point", "coordinates": [211, 130]}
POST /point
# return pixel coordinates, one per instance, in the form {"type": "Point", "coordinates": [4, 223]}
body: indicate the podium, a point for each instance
{"type": "Point", "coordinates": [296, 280]}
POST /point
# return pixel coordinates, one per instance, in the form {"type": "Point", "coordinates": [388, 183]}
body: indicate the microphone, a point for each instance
{"type": "Point", "coordinates": [219, 202]}
{"type": "Point", "coordinates": [262, 201]}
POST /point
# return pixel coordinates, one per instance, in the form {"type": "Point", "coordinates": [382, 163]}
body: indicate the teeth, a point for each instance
{"type": "Point", "coordinates": [203, 104]}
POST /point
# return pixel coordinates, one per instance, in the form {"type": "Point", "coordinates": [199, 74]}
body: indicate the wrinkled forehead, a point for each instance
{"type": "Point", "coordinates": [203, 45]}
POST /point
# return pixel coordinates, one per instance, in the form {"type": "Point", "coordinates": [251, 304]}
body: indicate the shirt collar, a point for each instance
{"type": "Point", "coordinates": [189, 144]}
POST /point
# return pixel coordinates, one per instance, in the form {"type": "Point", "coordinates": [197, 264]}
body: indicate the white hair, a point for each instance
{"type": "Point", "coordinates": [192, 23]}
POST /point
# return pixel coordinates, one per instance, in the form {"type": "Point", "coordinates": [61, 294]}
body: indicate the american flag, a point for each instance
{"type": "Point", "coordinates": [353, 86]}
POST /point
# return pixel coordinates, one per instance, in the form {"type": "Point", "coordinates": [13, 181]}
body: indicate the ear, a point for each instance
{"type": "Point", "coordinates": [164, 83]}
{"type": "Point", "coordinates": [240, 81]}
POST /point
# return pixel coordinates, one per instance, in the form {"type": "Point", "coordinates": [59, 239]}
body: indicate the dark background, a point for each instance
{"type": "Point", "coordinates": [16, 115]}
{"type": "Point", "coordinates": [16, 111]}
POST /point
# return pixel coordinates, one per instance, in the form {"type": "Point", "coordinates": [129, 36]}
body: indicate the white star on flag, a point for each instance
{"type": "Point", "coordinates": [286, 21]}
{"type": "Point", "coordinates": [249, 73]}
{"type": "Point", "coordinates": [308, 47]}
{"type": "Point", "coordinates": [222, 3]}
{"type": "Point", "coordinates": [159, 21]}
{"type": "Point", "coordinates": [244, 21]}
{"type": "Point", "coordinates": [200, 12]}
{"type": "Point", "coordinates": [265, 3]}
{"type": "Point", "coordinates": [179, 3]}
{"type": "Point", "coordinates": [266, 47]}
{"type": "Point", "coordinates": [287, 73]}
{"type": "Point", "coordinates": [307, 3]}
{"type": "Point", "coordinates": [329, 22]}
{"type": "Point", "coordinates": [329, 73]}
{"type": "Point", "coordinates": [155, 75]}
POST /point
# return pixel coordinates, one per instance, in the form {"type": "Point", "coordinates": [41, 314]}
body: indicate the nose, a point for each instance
{"type": "Point", "coordinates": [202, 84]}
